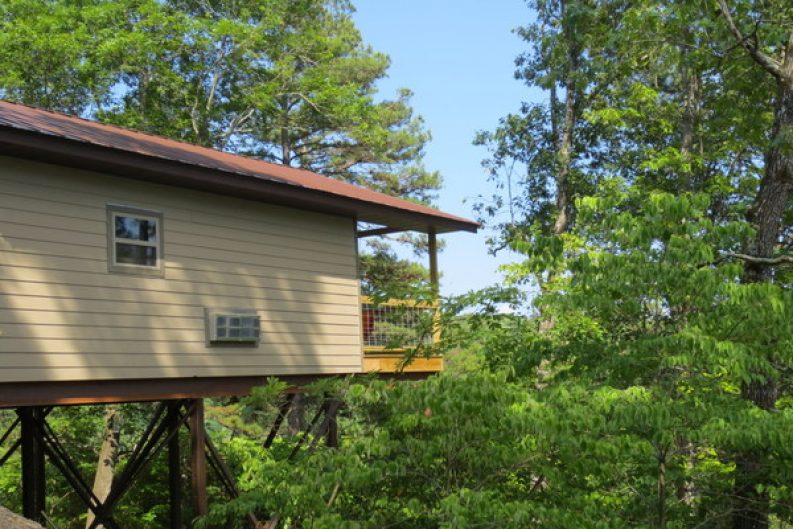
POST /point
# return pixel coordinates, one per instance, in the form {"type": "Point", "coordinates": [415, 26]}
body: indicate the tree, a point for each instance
{"type": "Point", "coordinates": [549, 141]}
{"type": "Point", "coordinates": [108, 458]}
{"type": "Point", "coordinates": [286, 81]}
{"type": "Point", "coordinates": [679, 100]}
{"type": "Point", "coordinates": [653, 305]}
{"type": "Point", "coordinates": [653, 107]}
{"type": "Point", "coordinates": [383, 272]}
{"type": "Point", "coordinates": [767, 215]}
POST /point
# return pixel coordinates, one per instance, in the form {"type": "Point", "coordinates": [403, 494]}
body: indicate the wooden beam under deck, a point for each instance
{"type": "Point", "coordinates": [73, 393]}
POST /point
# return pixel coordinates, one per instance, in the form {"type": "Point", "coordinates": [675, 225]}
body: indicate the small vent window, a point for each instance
{"type": "Point", "coordinates": [134, 241]}
{"type": "Point", "coordinates": [233, 327]}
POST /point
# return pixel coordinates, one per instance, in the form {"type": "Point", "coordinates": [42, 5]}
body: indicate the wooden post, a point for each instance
{"type": "Point", "coordinates": [174, 467]}
{"type": "Point", "coordinates": [435, 283]}
{"type": "Point", "coordinates": [433, 250]}
{"type": "Point", "coordinates": [33, 478]}
{"type": "Point", "coordinates": [198, 462]}
{"type": "Point", "coordinates": [332, 436]}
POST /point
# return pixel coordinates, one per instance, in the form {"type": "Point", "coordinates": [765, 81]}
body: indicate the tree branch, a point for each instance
{"type": "Point", "coordinates": [235, 125]}
{"type": "Point", "coordinates": [770, 64]}
{"type": "Point", "coordinates": [770, 261]}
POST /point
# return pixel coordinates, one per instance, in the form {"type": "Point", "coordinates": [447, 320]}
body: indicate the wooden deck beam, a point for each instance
{"type": "Point", "coordinates": [77, 393]}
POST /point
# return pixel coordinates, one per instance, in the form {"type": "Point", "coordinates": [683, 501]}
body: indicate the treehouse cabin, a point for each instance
{"type": "Point", "coordinates": [134, 266]}
{"type": "Point", "coordinates": [138, 268]}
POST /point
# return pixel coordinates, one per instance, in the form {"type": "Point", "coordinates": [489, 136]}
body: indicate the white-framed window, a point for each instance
{"type": "Point", "coordinates": [135, 241]}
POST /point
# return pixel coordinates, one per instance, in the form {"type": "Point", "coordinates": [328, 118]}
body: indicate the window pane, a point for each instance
{"type": "Point", "coordinates": [136, 255]}
{"type": "Point", "coordinates": [136, 229]}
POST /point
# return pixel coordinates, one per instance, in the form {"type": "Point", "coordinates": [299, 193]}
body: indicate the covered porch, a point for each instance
{"type": "Point", "coordinates": [395, 333]}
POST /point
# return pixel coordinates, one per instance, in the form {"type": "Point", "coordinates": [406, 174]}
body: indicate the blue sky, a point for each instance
{"type": "Point", "coordinates": [458, 58]}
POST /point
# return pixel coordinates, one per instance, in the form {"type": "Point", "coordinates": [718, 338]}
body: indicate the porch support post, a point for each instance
{"type": "Point", "coordinates": [432, 246]}
{"type": "Point", "coordinates": [174, 466]}
{"type": "Point", "coordinates": [198, 462]}
{"type": "Point", "coordinates": [33, 478]}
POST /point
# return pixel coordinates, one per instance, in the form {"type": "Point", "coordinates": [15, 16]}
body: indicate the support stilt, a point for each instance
{"type": "Point", "coordinates": [283, 411]}
{"type": "Point", "coordinates": [33, 478]}
{"type": "Point", "coordinates": [332, 435]}
{"type": "Point", "coordinates": [38, 441]}
{"type": "Point", "coordinates": [174, 466]}
{"type": "Point", "coordinates": [327, 428]}
{"type": "Point", "coordinates": [198, 463]}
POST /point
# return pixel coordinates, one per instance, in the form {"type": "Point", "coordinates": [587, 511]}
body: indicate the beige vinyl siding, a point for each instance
{"type": "Point", "coordinates": [63, 316]}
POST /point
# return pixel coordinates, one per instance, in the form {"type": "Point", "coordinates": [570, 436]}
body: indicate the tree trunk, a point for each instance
{"type": "Point", "coordinates": [751, 508]}
{"type": "Point", "coordinates": [554, 99]}
{"type": "Point", "coordinates": [296, 421]}
{"type": "Point", "coordinates": [690, 85]}
{"type": "Point", "coordinates": [565, 156]}
{"type": "Point", "coordinates": [661, 506]}
{"type": "Point", "coordinates": [286, 147]}
{"type": "Point", "coordinates": [684, 487]}
{"type": "Point", "coordinates": [108, 457]}
{"type": "Point", "coordinates": [564, 136]}
{"type": "Point", "coordinates": [774, 194]}
{"type": "Point", "coordinates": [690, 89]}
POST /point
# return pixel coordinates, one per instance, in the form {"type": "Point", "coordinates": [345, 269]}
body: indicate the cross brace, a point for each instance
{"type": "Point", "coordinates": [38, 439]}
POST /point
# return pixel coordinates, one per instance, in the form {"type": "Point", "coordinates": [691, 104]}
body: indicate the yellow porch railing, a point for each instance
{"type": "Point", "coordinates": [392, 327]}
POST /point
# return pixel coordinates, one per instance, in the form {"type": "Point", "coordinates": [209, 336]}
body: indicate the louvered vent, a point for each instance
{"type": "Point", "coordinates": [233, 327]}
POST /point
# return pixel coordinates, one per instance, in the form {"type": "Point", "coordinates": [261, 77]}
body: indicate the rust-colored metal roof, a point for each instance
{"type": "Point", "coordinates": [58, 138]}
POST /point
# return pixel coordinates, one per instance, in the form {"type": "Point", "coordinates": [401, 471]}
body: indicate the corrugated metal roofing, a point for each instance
{"type": "Point", "coordinates": [374, 207]}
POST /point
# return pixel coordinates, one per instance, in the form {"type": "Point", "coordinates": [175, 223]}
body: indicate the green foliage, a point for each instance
{"type": "Point", "coordinates": [383, 272]}
{"type": "Point", "coordinates": [650, 302]}
{"type": "Point", "coordinates": [643, 294]}
{"type": "Point", "coordinates": [425, 458]}
{"type": "Point", "coordinates": [465, 450]}
{"type": "Point", "coordinates": [81, 429]}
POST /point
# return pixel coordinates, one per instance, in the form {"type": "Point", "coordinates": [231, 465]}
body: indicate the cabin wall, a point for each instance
{"type": "Point", "coordinates": [63, 316]}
